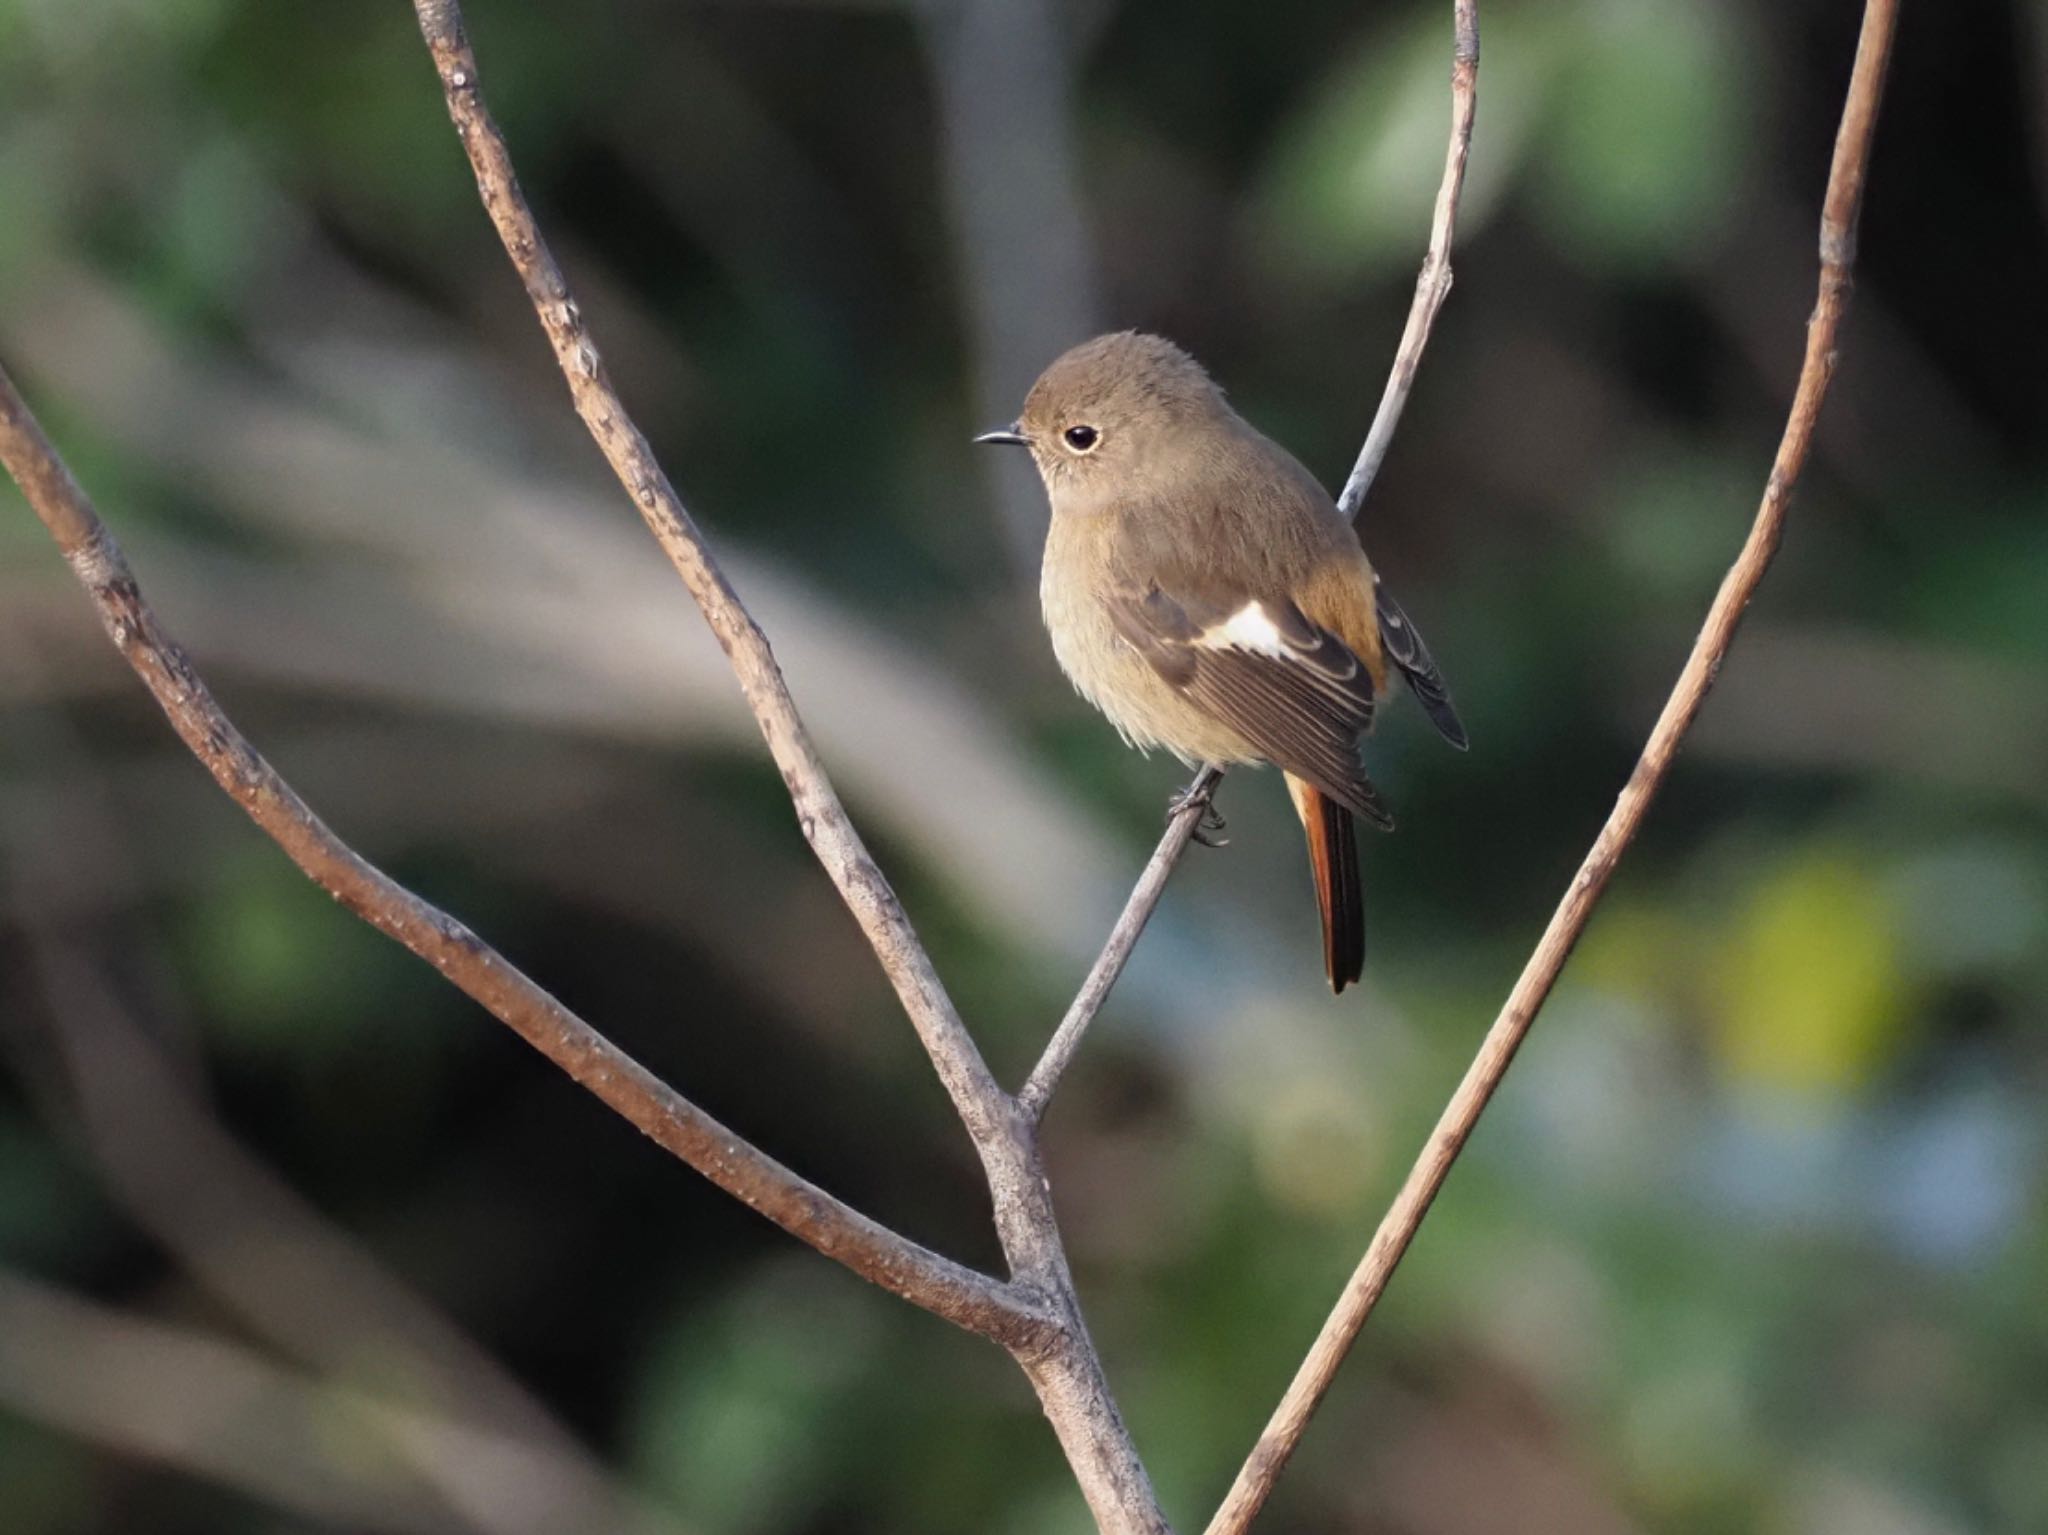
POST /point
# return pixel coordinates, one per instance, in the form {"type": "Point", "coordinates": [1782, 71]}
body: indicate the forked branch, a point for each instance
{"type": "Point", "coordinates": [972, 1300]}
{"type": "Point", "coordinates": [1060, 1361]}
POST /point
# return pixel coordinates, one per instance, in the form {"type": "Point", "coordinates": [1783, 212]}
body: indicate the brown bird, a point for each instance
{"type": "Point", "coordinates": [1204, 593]}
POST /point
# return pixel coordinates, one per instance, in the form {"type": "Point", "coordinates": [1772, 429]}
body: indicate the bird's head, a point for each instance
{"type": "Point", "coordinates": [1110, 412]}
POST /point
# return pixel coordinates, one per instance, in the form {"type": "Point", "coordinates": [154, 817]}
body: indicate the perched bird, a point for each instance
{"type": "Point", "coordinates": [1202, 591]}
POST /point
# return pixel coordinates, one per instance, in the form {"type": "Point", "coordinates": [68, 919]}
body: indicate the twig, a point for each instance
{"type": "Point", "coordinates": [1433, 284]}
{"type": "Point", "coordinates": [983, 1106]}
{"type": "Point", "coordinates": [1363, 1290]}
{"type": "Point", "coordinates": [972, 1300]}
{"type": "Point", "coordinates": [1066, 1039]}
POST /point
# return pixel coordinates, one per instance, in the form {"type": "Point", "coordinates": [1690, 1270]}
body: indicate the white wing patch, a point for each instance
{"type": "Point", "coordinates": [1247, 629]}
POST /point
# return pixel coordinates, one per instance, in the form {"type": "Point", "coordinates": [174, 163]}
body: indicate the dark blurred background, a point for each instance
{"type": "Point", "coordinates": [293, 1238]}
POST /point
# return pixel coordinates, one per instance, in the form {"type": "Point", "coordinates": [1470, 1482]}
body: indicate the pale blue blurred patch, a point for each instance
{"type": "Point", "coordinates": [1950, 1184]}
{"type": "Point", "coordinates": [1944, 1181]}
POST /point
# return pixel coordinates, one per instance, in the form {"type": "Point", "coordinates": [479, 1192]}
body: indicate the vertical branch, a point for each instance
{"type": "Point", "coordinates": [1362, 1292]}
{"type": "Point", "coordinates": [1433, 284]}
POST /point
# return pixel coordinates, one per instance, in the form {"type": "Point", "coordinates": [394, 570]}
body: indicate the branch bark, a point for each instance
{"type": "Point", "coordinates": [1362, 1292]}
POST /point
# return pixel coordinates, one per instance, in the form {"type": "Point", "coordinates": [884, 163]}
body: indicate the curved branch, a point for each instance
{"type": "Point", "coordinates": [983, 1106]}
{"type": "Point", "coordinates": [971, 1300]}
{"type": "Point", "coordinates": [1433, 283]}
{"type": "Point", "coordinates": [1362, 1292]}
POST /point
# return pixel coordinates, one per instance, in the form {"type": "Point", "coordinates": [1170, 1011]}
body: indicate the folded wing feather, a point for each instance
{"type": "Point", "coordinates": [1289, 686]}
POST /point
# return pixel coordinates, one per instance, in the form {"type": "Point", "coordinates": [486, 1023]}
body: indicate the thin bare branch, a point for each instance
{"type": "Point", "coordinates": [1066, 1039]}
{"type": "Point", "coordinates": [971, 1300]}
{"type": "Point", "coordinates": [984, 1107]}
{"type": "Point", "coordinates": [1431, 287]}
{"type": "Point", "coordinates": [1433, 283]}
{"type": "Point", "coordinates": [1362, 1292]}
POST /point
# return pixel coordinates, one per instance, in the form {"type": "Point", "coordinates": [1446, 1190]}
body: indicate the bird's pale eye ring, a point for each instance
{"type": "Point", "coordinates": [1081, 439]}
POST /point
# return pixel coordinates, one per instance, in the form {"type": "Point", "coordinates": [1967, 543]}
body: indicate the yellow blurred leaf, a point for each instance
{"type": "Point", "coordinates": [1812, 994]}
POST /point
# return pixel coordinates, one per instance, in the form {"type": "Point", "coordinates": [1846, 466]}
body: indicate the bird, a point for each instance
{"type": "Point", "coordinates": [1202, 591]}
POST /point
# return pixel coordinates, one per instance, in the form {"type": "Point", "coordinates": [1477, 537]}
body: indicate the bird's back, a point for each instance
{"type": "Point", "coordinates": [1242, 516]}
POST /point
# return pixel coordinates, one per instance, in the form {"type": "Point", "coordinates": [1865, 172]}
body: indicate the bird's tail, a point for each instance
{"type": "Point", "coordinates": [1333, 860]}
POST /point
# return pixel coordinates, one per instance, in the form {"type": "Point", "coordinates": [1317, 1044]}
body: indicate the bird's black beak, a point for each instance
{"type": "Point", "coordinates": [1008, 434]}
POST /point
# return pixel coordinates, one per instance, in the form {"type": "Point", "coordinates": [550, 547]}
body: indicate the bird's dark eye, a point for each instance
{"type": "Point", "coordinates": [1081, 438]}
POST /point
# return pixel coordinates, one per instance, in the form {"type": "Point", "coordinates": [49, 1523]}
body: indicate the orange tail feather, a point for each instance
{"type": "Point", "coordinates": [1333, 860]}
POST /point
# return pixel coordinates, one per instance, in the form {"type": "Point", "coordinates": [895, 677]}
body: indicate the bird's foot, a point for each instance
{"type": "Point", "coordinates": [1209, 824]}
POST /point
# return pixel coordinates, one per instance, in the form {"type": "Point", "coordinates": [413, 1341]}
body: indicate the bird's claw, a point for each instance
{"type": "Point", "coordinates": [1208, 824]}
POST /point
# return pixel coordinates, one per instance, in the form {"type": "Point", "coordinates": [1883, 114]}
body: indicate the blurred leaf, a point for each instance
{"type": "Point", "coordinates": [1351, 184]}
{"type": "Point", "coordinates": [1689, 1433]}
{"type": "Point", "coordinates": [220, 228]}
{"type": "Point", "coordinates": [737, 1408]}
{"type": "Point", "coordinates": [278, 965]}
{"type": "Point", "coordinates": [47, 1207]}
{"type": "Point", "coordinates": [49, 1478]}
{"type": "Point", "coordinates": [2017, 1476]}
{"type": "Point", "coordinates": [1673, 517]}
{"type": "Point", "coordinates": [1646, 140]}
{"type": "Point", "coordinates": [1975, 906]}
{"type": "Point", "coordinates": [1639, 948]}
{"type": "Point", "coordinates": [1984, 589]}
{"type": "Point", "coordinates": [1813, 997]}
{"type": "Point", "coordinates": [1314, 1152]}
{"type": "Point", "coordinates": [34, 190]}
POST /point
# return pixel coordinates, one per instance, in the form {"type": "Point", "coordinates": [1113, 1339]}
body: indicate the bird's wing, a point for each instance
{"type": "Point", "coordinates": [1288, 685]}
{"type": "Point", "coordinates": [1404, 646]}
